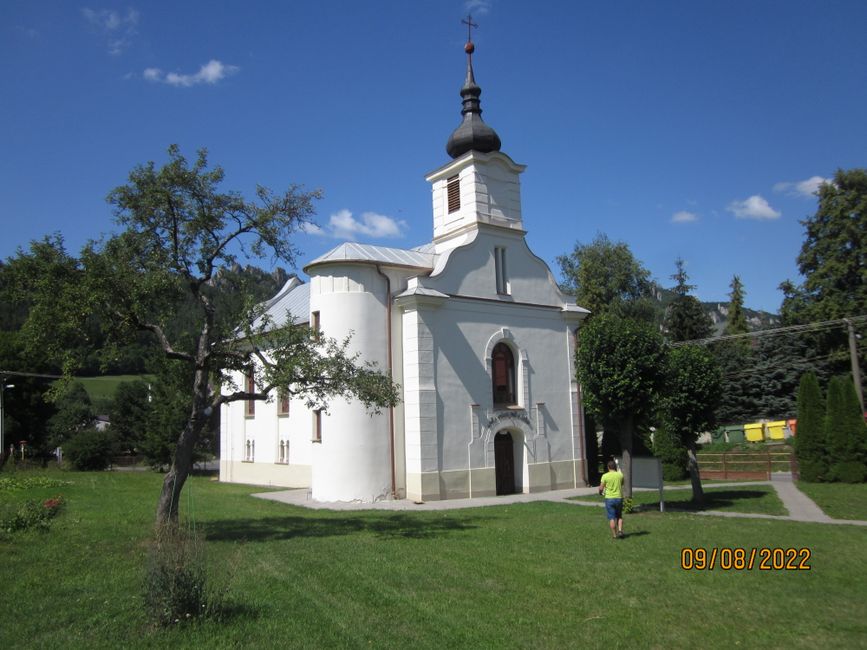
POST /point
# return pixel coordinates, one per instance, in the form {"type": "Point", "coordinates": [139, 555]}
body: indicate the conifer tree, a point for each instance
{"type": "Point", "coordinates": [685, 319]}
{"type": "Point", "coordinates": [845, 432]}
{"type": "Point", "coordinates": [737, 320]}
{"type": "Point", "coordinates": [810, 438]}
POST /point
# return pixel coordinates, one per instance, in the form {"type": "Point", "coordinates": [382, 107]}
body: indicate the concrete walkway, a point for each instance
{"type": "Point", "coordinates": [799, 505]}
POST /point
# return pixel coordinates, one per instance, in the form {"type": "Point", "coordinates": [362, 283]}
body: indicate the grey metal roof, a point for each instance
{"type": "Point", "coordinates": [293, 298]}
{"type": "Point", "coordinates": [355, 252]}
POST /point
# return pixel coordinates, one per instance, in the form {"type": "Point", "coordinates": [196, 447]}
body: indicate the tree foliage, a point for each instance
{"type": "Point", "coordinates": [605, 277]}
{"type": "Point", "coordinates": [737, 320]}
{"type": "Point", "coordinates": [810, 442]}
{"type": "Point", "coordinates": [178, 234]}
{"type": "Point", "coordinates": [74, 413]}
{"type": "Point", "coordinates": [834, 254]}
{"type": "Point", "coordinates": [845, 432]}
{"type": "Point", "coordinates": [686, 319]}
{"type": "Point", "coordinates": [621, 368]}
{"type": "Point", "coordinates": [691, 397]}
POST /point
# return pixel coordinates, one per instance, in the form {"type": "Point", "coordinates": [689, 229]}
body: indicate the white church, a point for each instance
{"type": "Point", "coordinates": [472, 326]}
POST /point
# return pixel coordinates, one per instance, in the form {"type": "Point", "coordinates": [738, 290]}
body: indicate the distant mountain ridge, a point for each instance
{"type": "Point", "coordinates": [718, 312]}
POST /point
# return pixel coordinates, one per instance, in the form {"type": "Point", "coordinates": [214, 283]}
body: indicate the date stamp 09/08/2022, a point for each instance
{"type": "Point", "coordinates": [745, 559]}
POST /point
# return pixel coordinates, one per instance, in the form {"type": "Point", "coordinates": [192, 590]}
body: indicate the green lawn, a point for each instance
{"type": "Point", "coordinates": [101, 389]}
{"type": "Point", "coordinates": [838, 500]}
{"type": "Point", "coordinates": [761, 499]}
{"type": "Point", "coordinates": [536, 575]}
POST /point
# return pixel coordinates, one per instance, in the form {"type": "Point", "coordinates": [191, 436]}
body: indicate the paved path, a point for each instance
{"type": "Point", "coordinates": [799, 505]}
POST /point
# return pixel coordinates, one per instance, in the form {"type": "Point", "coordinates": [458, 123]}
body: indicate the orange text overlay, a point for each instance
{"type": "Point", "coordinates": [745, 559]}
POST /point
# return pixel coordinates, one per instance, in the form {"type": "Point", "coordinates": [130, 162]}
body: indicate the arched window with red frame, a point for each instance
{"type": "Point", "coordinates": [503, 375]}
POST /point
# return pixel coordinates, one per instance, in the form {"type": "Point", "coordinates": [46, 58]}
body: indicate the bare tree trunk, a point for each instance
{"type": "Point", "coordinates": [694, 475]}
{"type": "Point", "coordinates": [182, 463]}
{"type": "Point", "coordinates": [626, 451]}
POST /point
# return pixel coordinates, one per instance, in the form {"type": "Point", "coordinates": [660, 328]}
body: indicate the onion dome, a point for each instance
{"type": "Point", "coordinates": [472, 134]}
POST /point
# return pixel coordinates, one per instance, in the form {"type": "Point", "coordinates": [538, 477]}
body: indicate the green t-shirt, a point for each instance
{"type": "Point", "coordinates": [613, 483]}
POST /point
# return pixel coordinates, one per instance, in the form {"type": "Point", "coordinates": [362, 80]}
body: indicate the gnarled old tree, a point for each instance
{"type": "Point", "coordinates": [179, 233]}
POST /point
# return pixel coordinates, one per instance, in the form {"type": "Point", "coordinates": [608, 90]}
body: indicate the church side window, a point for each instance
{"type": "Point", "coordinates": [503, 375]}
{"type": "Point", "coordinates": [283, 452]}
{"type": "Point", "coordinates": [453, 191]}
{"type": "Point", "coordinates": [500, 270]}
{"type": "Point", "coordinates": [317, 425]}
{"type": "Point", "coordinates": [283, 403]}
{"type": "Point", "coordinates": [315, 325]}
{"type": "Point", "coordinates": [250, 387]}
{"type": "Point", "coordinates": [249, 451]}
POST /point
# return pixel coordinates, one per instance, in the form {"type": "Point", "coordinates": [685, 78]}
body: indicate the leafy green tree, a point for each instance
{"type": "Point", "coordinates": [129, 414]}
{"type": "Point", "coordinates": [689, 405]}
{"type": "Point", "coordinates": [621, 367]}
{"type": "Point", "coordinates": [737, 320]}
{"type": "Point", "coordinates": [685, 319]}
{"type": "Point", "coordinates": [74, 413]}
{"type": "Point", "coordinates": [89, 450]}
{"type": "Point", "coordinates": [177, 232]}
{"type": "Point", "coordinates": [810, 441]}
{"type": "Point", "coordinates": [605, 277]}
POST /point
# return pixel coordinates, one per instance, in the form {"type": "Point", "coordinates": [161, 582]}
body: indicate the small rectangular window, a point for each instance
{"type": "Point", "coordinates": [250, 387]}
{"type": "Point", "coordinates": [315, 325]}
{"type": "Point", "coordinates": [500, 270]}
{"type": "Point", "coordinates": [317, 425]}
{"type": "Point", "coordinates": [283, 402]}
{"type": "Point", "coordinates": [453, 190]}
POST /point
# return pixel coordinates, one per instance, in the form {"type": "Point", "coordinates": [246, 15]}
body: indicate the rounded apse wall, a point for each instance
{"type": "Point", "coordinates": [351, 463]}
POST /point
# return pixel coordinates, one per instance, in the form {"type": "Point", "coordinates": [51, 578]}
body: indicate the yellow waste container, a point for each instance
{"type": "Point", "coordinates": [776, 430]}
{"type": "Point", "coordinates": [755, 432]}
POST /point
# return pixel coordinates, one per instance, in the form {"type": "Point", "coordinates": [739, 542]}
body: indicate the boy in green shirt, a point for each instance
{"type": "Point", "coordinates": [612, 488]}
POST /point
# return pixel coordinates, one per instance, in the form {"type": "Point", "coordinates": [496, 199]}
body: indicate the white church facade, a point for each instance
{"type": "Point", "coordinates": [474, 329]}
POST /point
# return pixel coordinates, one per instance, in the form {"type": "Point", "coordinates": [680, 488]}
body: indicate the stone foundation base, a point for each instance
{"type": "Point", "coordinates": [482, 482]}
{"type": "Point", "coordinates": [270, 474]}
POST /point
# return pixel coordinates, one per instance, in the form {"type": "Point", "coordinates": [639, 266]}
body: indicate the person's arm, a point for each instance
{"type": "Point", "coordinates": [601, 486]}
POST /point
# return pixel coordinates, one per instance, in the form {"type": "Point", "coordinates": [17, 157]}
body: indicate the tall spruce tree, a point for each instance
{"type": "Point", "coordinates": [685, 319]}
{"type": "Point", "coordinates": [810, 443]}
{"type": "Point", "coordinates": [737, 320]}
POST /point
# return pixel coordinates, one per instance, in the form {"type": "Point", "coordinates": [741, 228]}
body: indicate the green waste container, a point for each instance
{"type": "Point", "coordinates": [719, 435]}
{"type": "Point", "coordinates": [734, 432]}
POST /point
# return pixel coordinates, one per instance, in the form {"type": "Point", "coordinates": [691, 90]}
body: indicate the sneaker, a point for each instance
{"type": "Point", "coordinates": [621, 534]}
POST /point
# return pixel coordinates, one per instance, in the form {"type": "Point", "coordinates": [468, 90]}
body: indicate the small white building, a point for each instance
{"type": "Point", "coordinates": [473, 328]}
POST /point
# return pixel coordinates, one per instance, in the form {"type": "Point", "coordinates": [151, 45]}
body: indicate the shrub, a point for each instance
{"type": "Point", "coordinates": [90, 450]}
{"type": "Point", "coordinates": [672, 454]}
{"type": "Point", "coordinates": [175, 588]}
{"type": "Point", "coordinates": [850, 471]}
{"type": "Point", "coordinates": [31, 514]}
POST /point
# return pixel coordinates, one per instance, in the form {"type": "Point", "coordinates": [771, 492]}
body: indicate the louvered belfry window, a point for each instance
{"type": "Point", "coordinates": [453, 189]}
{"type": "Point", "coordinates": [503, 371]}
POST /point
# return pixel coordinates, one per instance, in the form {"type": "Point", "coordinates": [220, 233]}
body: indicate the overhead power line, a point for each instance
{"type": "Point", "coordinates": [820, 325]}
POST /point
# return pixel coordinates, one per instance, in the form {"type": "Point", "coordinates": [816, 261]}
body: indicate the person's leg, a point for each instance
{"type": "Point", "coordinates": [611, 524]}
{"type": "Point", "coordinates": [620, 526]}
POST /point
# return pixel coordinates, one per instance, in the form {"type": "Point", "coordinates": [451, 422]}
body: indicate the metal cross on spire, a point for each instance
{"type": "Point", "coordinates": [470, 24]}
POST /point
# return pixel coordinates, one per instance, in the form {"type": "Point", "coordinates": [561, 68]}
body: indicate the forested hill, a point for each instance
{"type": "Point", "coordinates": [718, 311]}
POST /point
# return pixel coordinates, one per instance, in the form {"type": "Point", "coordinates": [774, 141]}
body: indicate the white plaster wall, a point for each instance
{"type": "Point", "coordinates": [352, 461]}
{"type": "Point", "coordinates": [470, 270]}
{"type": "Point", "coordinates": [461, 331]}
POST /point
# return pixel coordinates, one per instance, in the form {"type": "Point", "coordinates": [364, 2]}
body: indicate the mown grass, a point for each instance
{"type": "Point", "coordinates": [101, 389]}
{"type": "Point", "coordinates": [761, 499]}
{"type": "Point", "coordinates": [838, 500]}
{"type": "Point", "coordinates": [517, 576]}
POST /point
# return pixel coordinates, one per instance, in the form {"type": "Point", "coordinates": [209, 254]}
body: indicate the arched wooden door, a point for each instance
{"type": "Point", "coordinates": [504, 463]}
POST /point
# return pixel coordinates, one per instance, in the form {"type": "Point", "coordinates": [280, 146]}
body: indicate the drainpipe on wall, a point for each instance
{"type": "Point", "coordinates": [389, 367]}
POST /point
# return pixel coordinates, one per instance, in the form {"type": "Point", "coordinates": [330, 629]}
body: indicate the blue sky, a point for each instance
{"type": "Point", "coordinates": [693, 129]}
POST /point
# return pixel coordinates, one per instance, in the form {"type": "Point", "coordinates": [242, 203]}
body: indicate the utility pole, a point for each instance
{"type": "Point", "coordinates": [853, 357]}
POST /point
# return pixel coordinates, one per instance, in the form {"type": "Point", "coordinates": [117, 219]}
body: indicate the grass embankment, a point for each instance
{"type": "Point", "coordinates": [760, 499]}
{"type": "Point", "coordinates": [524, 575]}
{"type": "Point", "coordinates": [101, 389]}
{"type": "Point", "coordinates": [838, 500]}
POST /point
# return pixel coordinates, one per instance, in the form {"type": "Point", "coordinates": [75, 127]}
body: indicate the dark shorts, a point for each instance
{"type": "Point", "coordinates": [614, 508]}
